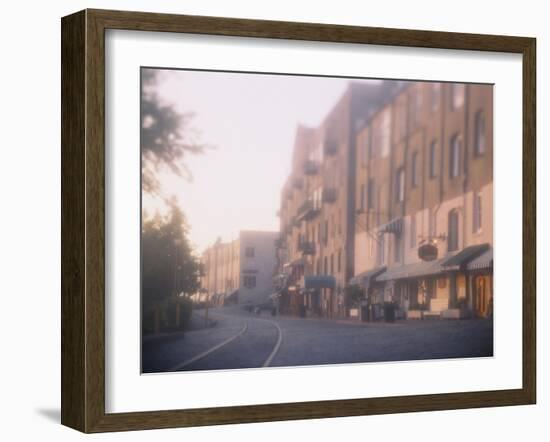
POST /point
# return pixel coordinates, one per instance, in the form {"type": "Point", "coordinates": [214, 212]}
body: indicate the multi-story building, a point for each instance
{"type": "Point", "coordinates": [240, 271]}
{"type": "Point", "coordinates": [317, 212]}
{"type": "Point", "coordinates": [424, 186]}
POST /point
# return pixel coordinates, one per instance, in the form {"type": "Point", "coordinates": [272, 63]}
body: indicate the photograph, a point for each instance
{"type": "Point", "coordinates": [293, 220]}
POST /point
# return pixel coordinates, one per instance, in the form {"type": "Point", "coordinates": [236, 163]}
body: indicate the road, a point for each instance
{"type": "Point", "coordinates": [244, 340]}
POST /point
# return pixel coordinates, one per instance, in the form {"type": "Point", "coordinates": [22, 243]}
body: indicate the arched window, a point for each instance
{"type": "Point", "coordinates": [400, 185]}
{"type": "Point", "coordinates": [452, 231]}
{"type": "Point", "coordinates": [457, 95]}
{"type": "Point", "coordinates": [454, 156]}
{"type": "Point", "coordinates": [479, 142]}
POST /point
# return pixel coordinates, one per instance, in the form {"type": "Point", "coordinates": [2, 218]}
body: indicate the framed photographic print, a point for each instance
{"type": "Point", "coordinates": [270, 220]}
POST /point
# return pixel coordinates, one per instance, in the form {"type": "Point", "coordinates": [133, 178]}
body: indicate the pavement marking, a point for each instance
{"type": "Point", "coordinates": [210, 350]}
{"type": "Point", "coordinates": [277, 344]}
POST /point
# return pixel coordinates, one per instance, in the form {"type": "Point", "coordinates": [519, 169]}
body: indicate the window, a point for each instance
{"type": "Point", "coordinates": [249, 252]}
{"type": "Point", "coordinates": [319, 266]}
{"type": "Point", "coordinates": [479, 142]}
{"type": "Point", "coordinates": [476, 222]}
{"type": "Point", "coordinates": [413, 231]}
{"type": "Point", "coordinates": [454, 157]}
{"type": "Point", "coordinates": [382, 134]}
{"type": "Point", "coordinates": [436, 96]}
{"type": "Point", "coordinates": [326, 265]}
{"type": "Point", "coordinates": [400, 185]}
{"type": "Point", "coordinates": [316, 198]}
{"type": "Point", "coordinates": [325, 237]}
{"type": "Point", "coordinates": [381, 250]}
{"type": "Point", "coordinates": [332, 264]}
{"type": "Point", "coordinates": [371, 246]}
{"type": "Point", "coordinates": [365, 151]}
{"type": "Point", "coordinates": [362, 198]}
{"type": "Point", "coordinates": [418, 103]}
{"type": "Point", "coordinates": [397, 248]}
{"type": "Point", "coordinates": [414, 169]}
{"type": "Point", "coordinates": [457, 95]}
{"type": "Point", "coordinates": [370, 194]}
{"type": "Point", "coordinates": [452, 235]}
{"type": "Point", "coordinates": [402, 119]}
{"type": "Point", "coordinates": [433, 159]}
{"type": "Point", "coordinates": [339, 263]}
{"type": "Point", "coordinates": [249, 281]}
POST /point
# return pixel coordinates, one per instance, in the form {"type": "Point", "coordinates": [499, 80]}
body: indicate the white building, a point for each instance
{"type": "Point", "coordinates": [240, 271]}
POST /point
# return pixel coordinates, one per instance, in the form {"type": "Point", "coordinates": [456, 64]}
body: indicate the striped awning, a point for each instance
{"type": "Point", "coordinates": [365, 278]}
{"type": "Point", "coordinates": [394, 226]}
{"type": "Point", "coordinates": [296, 262]}
{"type": "Point", "coordinates": [417, 269]}
{"type": "Point", "coordinates": [462, 258]}
{"type": "Point", "coordinates": [482, 262]}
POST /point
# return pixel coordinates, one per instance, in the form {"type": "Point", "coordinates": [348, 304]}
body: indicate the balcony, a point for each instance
{"type": "Point", "coordinates": [311, 167]}
{"type": "Point", "coordinates": [306, 247]}
{"type": "Point", "coordinates": [330, 195]}
{"type": "Point", "coordinates": [296, 221]}
{"type": "Point", "coordinates": [280, 243]}
{"type": "Point", "coordinates": [298, 182]}
{"type": "Point", "coordinates": [308, 211]}
{"type": "Point", "coordinates": [331, 148]}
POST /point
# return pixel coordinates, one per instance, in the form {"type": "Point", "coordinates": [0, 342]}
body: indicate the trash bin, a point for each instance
{"type": "Point", "coordinates": [365, 313]}
{"type": "Point", "coordinates": [389, 312]}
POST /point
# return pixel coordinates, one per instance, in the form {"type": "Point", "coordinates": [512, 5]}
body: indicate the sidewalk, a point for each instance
{"type": "Point", "coordinates": [197, 323]}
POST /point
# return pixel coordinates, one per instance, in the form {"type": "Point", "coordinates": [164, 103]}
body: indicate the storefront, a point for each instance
{"type": "Point", "coordinates": [320, 298]}
{"type": "Point", "coordinates": [480, 276]}
{"type": "Point", "coordinates": [373, 292]}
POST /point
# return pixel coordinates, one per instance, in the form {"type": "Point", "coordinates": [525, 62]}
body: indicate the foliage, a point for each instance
{"type": "Point", "coordinates": [166, 136]}
{"type": "Point", "coordinates": [354, 293]}
{"type": "Point", "coordinates": [169, 269]}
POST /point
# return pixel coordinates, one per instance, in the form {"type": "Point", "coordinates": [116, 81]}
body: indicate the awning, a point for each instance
{"type": "Point", "coordinates": [296, 262]}
{"type": "Point", "coordinates": [364, 279]}
{"type": "Point", "coordinates": [233, 295]}
{"type": "Point", "coordinates": [417, 269]}
{"type": "Point", "coordinates": [394, 226]}
{"type": "Point", "coordinates": [320, 282]}
{"type": "Point", "coordinates": [463, 257]}
{"type": "Point", "coordinates": [483, 261]}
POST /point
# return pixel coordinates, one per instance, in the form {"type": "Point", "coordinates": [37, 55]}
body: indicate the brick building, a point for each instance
{"type": "Point", "coordinates": [425, 183]}
{"type": "Point", "coordinates": [317, 212]}
{"type": "Point", "coordinates": [393, 168]}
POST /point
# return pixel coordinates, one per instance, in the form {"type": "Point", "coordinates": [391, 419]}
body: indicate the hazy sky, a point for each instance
{"type": "Point", "coordinates": [251, 120]}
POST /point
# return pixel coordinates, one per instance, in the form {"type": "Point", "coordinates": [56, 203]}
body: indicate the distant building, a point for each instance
{"type": "Point", "coordinates": [240, 271]}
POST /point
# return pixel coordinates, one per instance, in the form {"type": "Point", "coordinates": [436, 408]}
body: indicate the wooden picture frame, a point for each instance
{"type": "Point", "coordinates": [83, 220]}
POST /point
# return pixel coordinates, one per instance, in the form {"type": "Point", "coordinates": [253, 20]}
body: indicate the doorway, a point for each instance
{"type": "Point", "coordinates": [482, 296]}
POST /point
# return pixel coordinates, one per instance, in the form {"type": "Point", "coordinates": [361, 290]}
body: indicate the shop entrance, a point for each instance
{"type": "Point", "coordinates": [482, 296]}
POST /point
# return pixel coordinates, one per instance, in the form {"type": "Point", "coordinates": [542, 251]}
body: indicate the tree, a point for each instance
{"type": "Point", "coordinates": [170, 271]}
{"type": "Point", "coordinates": [169, 266]}
{"type": "Point", "coordinates": [166, 136]}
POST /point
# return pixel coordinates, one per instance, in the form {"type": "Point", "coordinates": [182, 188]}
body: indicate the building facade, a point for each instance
{"type": "Point", "coordinates": [425, 187]}
{"type": "Point", "coordinates": [397, 171]}
{"type": "Point", "coordinates": [240, 271]}
{"type": "Point", "coordinates": [317, 212]}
